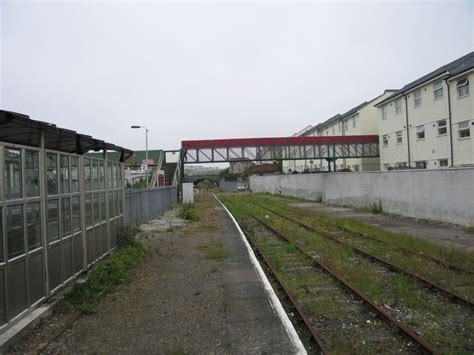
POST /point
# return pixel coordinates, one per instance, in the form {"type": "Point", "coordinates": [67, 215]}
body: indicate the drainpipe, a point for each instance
{"type": "Point", "coordinates": [408, 129]}
{"type": "Point", "coordinates": [450, 125]}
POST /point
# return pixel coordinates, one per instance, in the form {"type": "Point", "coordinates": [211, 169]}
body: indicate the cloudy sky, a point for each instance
{"type": "Point", "coordinates": [214, 70]}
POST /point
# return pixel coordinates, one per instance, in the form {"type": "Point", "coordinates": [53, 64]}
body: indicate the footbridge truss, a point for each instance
{"type": "Point", "coordinates": [282, 148]}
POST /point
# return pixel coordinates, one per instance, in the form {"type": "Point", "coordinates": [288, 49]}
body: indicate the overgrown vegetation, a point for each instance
{"type": "Point", "coordinates": [469, 230]}
{"type": "Point", "coordinates": [188, 212]}
{"type": "Point", "coordinates": [441, 322]}
{"type": "Point", "coordinates": [376, 208]}
{"type": "Point", "coordinates": [213, 251]}
{"type": "Point", "coordinates": [107, 274]}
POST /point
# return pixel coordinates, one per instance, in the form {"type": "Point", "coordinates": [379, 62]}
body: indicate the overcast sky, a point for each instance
{"type": "Point", "coordinates": [215, 70]}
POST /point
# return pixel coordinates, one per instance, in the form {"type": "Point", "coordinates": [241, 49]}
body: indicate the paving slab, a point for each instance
{"type": "Point", "coordinates": [450, 236]}
{"type": "Point", "coordinates": [253, 325]}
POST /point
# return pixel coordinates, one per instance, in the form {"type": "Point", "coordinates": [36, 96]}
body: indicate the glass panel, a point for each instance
{"type": "Point", "coordinates": [116, 202]}
{"type": "Point", "coordinates": [119, 177]}
{"type": "Point", "coordinates": [120, 202]}
{"type": "Point", "coordinates": [95, 201]}
{"type": "Point", "coordinates": [111, 204]}
{"type": "Point", "coordinates": [16, 238]}
{"type": "Point", "coordinates": [76, 213]}
{"type": "Point", "coordinates": [52, 173]}
{"type": "Point", "coordinates": [66, 216]}
{"type": "Point", "coordinates": [101, 175]}
{"type": "Point", "coordinates": [87, 174]}
{"type": "Point", "coordinates": [12, 174]}
{"type": "Point", "coordinates": [33, 225]}
{"type": "Point", "coordinates": [64, 173]}
{"type": "Point", "coordinates": [32, 173]}
{"type": "Point", "coordinates": [75, 174]}
{"type": "Point", "coordinates": [53, 220]}
{"type": "Point", "coordinates": [114, 176]}
{"type": "Point", "coordinates": [1, 235]}
{"type": "Point", "coordinates": [95, 175]}
{"type": "Point", "coordinates": [103, 211]}
{"type": "Point", "coordinates": [109, 175]}
{"type": "Point", "coordinates": [88, 210]}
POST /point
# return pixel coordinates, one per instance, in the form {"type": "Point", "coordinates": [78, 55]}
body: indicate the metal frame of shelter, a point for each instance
{"type": "Point", "coordinates": [329, 148]}
{"type": "Point", "coordinates": [60, 210]}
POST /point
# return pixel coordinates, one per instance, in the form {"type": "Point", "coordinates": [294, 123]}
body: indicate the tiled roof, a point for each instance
{"type": "Point", "coordinates": [451, 69]}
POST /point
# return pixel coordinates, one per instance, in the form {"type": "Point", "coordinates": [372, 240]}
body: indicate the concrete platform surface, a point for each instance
{"type": "Point", "coordinates": [252, 323]}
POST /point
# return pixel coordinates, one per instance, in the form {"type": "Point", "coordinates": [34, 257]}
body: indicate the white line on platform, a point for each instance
{"type": "Point", "coordinates": [274, 301]}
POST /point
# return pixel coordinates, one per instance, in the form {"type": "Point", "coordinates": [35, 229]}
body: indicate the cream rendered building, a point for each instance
{"type": "Point", "coordinates": [360, 120]}
{"type": "Point", "coordinates": [429, 123]}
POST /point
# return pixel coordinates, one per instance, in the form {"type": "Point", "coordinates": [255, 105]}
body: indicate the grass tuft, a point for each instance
{"type": "Point", "coordinates": [188, 211]}
{"type": "Point", "coordinates": [105, 275]}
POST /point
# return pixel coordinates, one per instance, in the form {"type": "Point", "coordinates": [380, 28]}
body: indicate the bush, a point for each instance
{"type": "Point", "coordinates": [188, 212]}
{"type": "Point", "coordinates": [105, 276]}
{"type": "Point", "coordinates": [376, 208]}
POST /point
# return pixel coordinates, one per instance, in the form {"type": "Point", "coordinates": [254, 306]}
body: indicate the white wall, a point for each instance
{"type": "Point", "coordinates": [445, 194]}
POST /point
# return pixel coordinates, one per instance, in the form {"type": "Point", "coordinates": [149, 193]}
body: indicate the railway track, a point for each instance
{"type": "Point", "coordinates": [358, 308]}
{"type": "Point", "coordinates": [431, 258]}
{"type": "Point", "coordinates": [442, 321]}
{"type": "Point", "coordinates": [451, 295]}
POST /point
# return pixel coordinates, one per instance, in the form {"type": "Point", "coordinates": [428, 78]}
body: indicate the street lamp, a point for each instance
{"type": "Point", "coordinates": [146, 151]}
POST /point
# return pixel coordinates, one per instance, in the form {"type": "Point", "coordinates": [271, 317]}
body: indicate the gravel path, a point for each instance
{"type": "Point", "coordinates": [174, 303]}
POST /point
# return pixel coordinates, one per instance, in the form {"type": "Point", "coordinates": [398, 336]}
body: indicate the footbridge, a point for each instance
{"type": "Point", "coordinates": [329, 148]}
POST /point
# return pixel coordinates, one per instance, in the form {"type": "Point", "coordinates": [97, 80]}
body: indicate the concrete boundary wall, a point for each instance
{"type": "Point", "coordinates": [444, 195]}
{"type": "Point", "coordinates": [143, 204]}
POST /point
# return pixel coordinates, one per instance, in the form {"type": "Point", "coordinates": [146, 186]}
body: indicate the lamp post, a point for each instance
{"type": "Point", "coordinates": [146, 150]}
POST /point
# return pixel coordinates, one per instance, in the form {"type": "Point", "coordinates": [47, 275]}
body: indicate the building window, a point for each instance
{"type": "Point", "coordinates": [12, 173]}
{"type": "Point", "coordinates": [398, 106]}
{"type": "Point", "coordinates": [384, 112]}
{"type": "Point", "coordinates": [53, 220]}
{"type": "Point", "coordinates": [385, 140]}
{"type": "Point", "coordinates": [463, 130]}
{"type": "Point", "coordinates": [420, 132]}
{"type": "Point", "coordinates": [442, 127]}
{"type": "Point", "coordinates": [417, 98]}
{"type": "Point", "coordinates": [52, 173]}
{"type": "Point", "coordinates": [15, 237]}
{"type": "Point", "coordinates": [399, 137]}
{"type": "Point", "coordinates": [438, 90]}
{"type": "Point", "coordinates": [339, 126]}
{"type": "Point", "coordinates": [32, 173]}
{"type": "Point", "coordinates": [443, 162]}
{"type": "Point", "coordinates": [421, 164]}
{"type": "Point", "coordinates": [333, 131]}
{"type": "Point", "coordinates": [353, 122]}
{"type": "Point", "coordinates": [346, 125]}
{"type": "Point", "coordinates": [33, 225]}
{"type": "Point", "coordinates": [462, 87]}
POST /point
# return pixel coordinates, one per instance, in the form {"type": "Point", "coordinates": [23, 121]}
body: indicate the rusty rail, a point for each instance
{"type": "Point", "coordinates": [367, 236]}
{"type": "Point", "coordinates": [449, 294]}
{"type": "Point", "coordinates": [293, 301]}
{"type": "Point", "coordinates": [383, 314]}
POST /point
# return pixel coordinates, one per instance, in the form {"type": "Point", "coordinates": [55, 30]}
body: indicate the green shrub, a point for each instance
{"type": "Point", "coordinates": [376, 208]}
{"type": "Point", "coordinates": [104, 276]}
{"type": "Point", "coordinates": [188, 211]}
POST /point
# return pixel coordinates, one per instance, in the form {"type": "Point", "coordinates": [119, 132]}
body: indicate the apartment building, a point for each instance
{"type": "Point", "coordinates": [359, 120]}
{"type": "Point", "coordinates": [290, 166]}
{"type": "Point", "coordinates": [429, 123]}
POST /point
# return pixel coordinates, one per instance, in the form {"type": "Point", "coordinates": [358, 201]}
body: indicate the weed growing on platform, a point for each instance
{"type": "Point", "coordinates": [188, 211]}
{"type": "Point", "coordinates": [106, 274]}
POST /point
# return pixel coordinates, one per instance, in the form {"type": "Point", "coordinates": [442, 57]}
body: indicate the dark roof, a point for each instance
{"type": "Point", "coordinates": [329, 121]}
{"type": "Point", "coordinates": [454, 68]}
{"type": "Point", "coordinates": [136, 158]}
{"type": "Point", "coordinates": [17, 128]}
{"type": "Point", "coordinates": [353, 110]}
